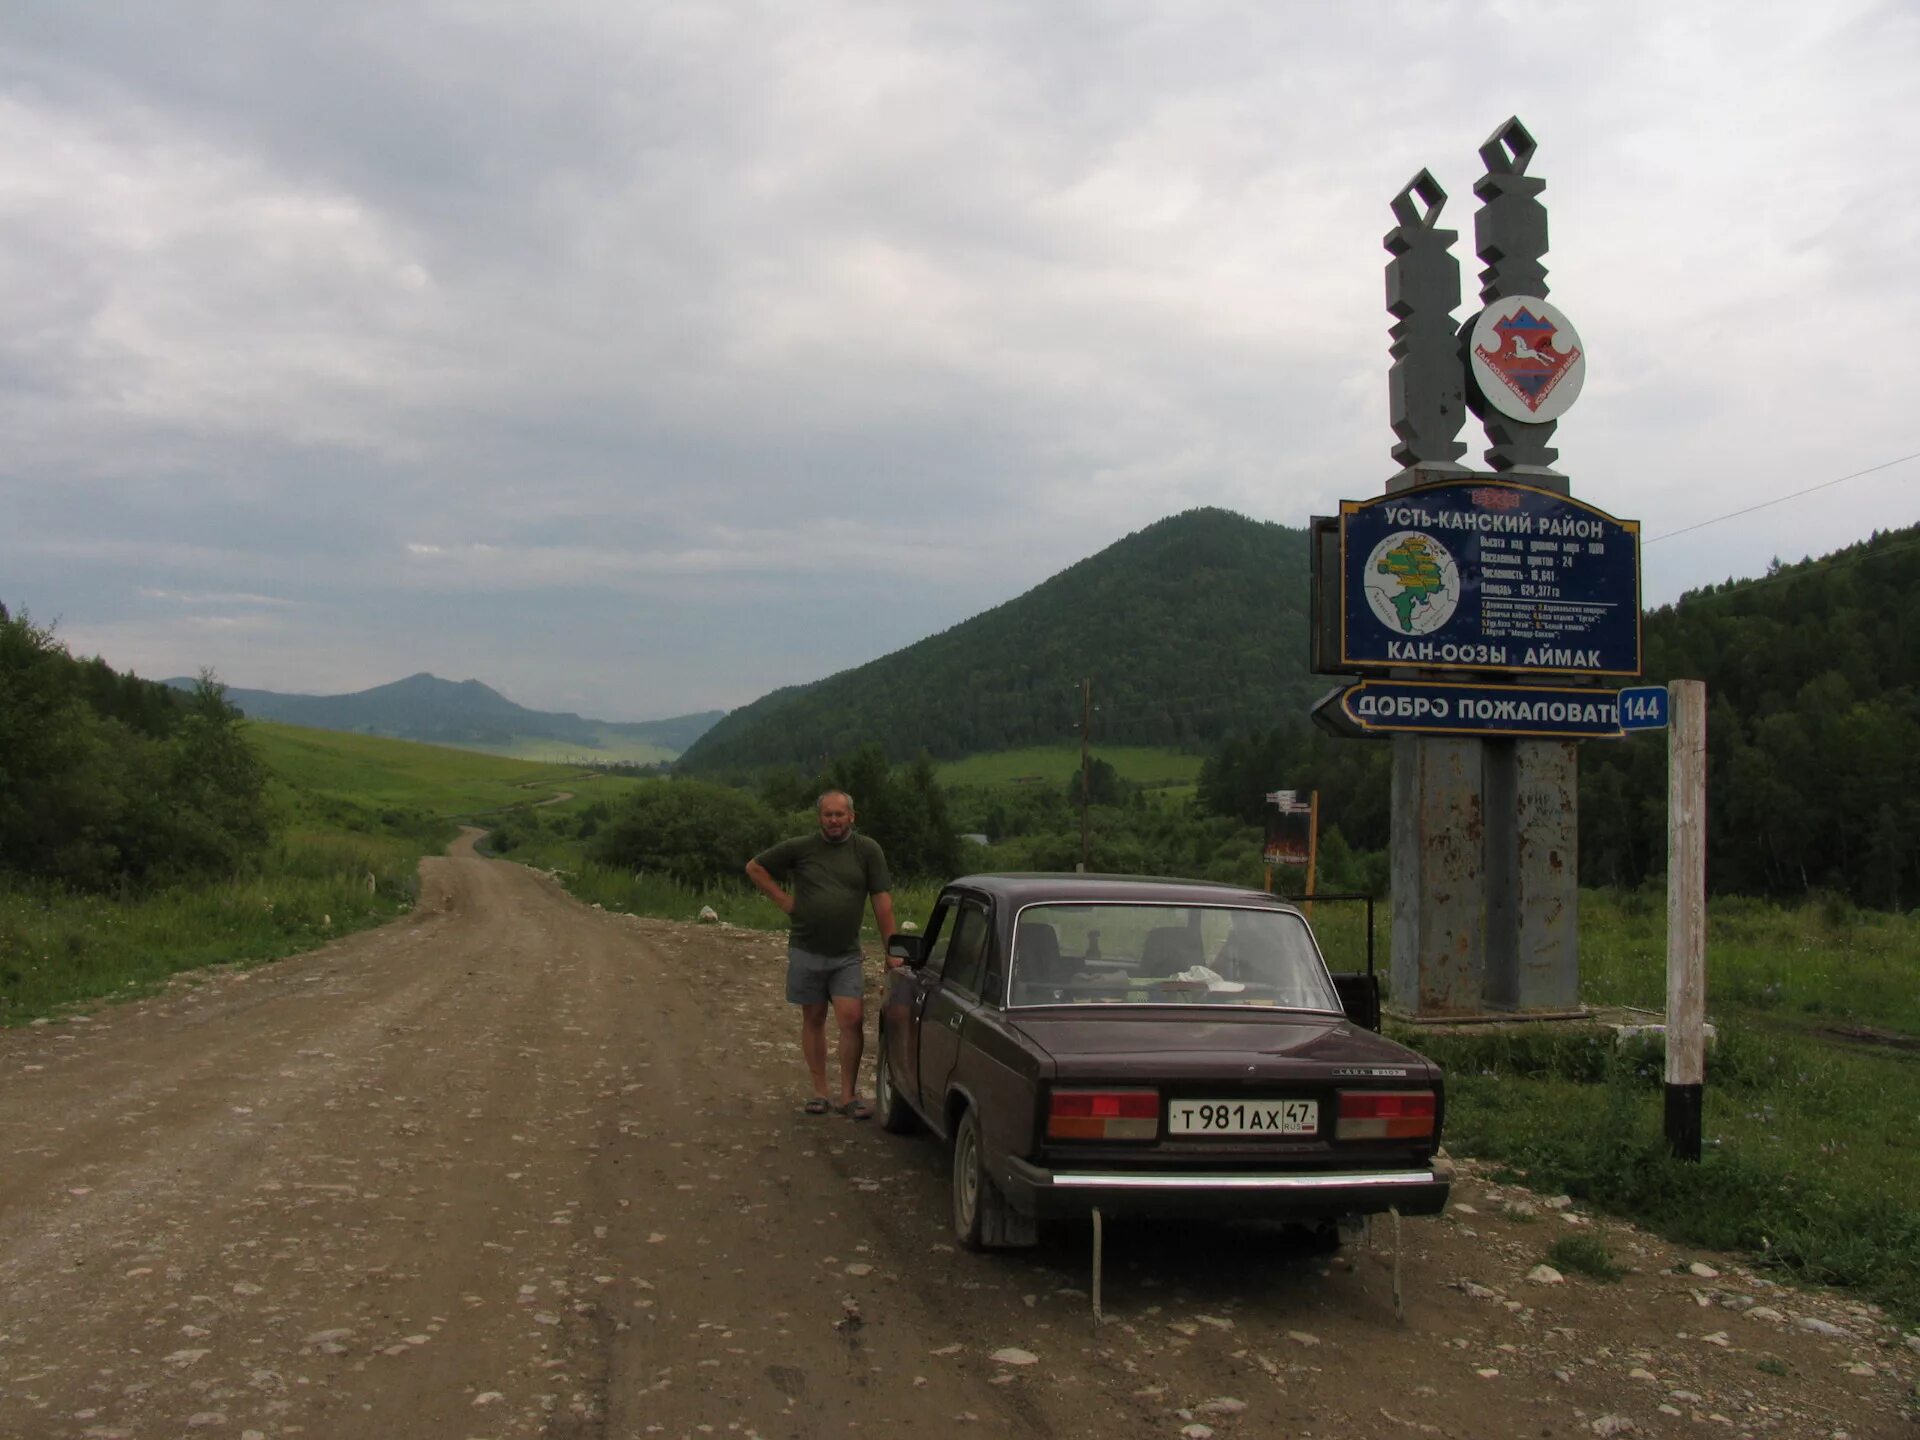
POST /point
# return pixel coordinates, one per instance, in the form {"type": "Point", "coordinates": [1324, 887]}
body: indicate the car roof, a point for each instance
{"type": "Point", "coordinates": [1036, 887]}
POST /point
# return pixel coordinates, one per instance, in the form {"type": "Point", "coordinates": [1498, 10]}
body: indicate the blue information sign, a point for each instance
{"type": "Point", "coordinates": [1643, 707]}
{"type": "Point", "coordinates": [1488, 575]}
{"type": "Point", "coordinates": [1452, 707]}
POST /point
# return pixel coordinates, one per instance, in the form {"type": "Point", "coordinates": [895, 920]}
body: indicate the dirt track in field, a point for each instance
{"type": "Point", "coordinates": [514, 1167]}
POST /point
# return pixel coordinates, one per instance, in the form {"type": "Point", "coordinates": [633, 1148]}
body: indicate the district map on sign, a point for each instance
{"type": "Point", "coordinates": [1412, 583]}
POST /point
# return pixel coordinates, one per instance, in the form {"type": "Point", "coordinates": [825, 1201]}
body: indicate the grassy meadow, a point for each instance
{"type": "Point", "coordinates": [61, 950]}
{"type": "Point", "coordinates": [1146, 765]}
{"type": "Point", "coordinates": [354, 815]}
{"type": "Point", "coordinates": [612, 749]}
{"type": "Point", "coordinates": [371, 773]}
{"type": "Point", "coordinates": [1812, 1135]}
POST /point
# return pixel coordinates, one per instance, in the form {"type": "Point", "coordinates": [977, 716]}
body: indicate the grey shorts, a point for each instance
{"type": "Point", "coordinates": [813, 979]}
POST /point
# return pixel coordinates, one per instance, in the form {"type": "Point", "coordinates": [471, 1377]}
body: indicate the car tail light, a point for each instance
{"type": "Point", "coordinates": [1384, 1115]}
{"type": "Point", "coordinates": [1103, 1115]}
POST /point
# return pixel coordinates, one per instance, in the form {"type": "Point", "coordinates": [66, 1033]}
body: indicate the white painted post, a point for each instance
{"type": "Point", "coordinates": [1686, 914]}
{"type": "Point", "coordinates": [1097, 1317]}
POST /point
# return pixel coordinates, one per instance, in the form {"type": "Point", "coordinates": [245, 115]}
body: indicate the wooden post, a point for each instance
{"type": "Point", "coordinates": [1086, 728]}
{"type": "Point", "coordinates": [1313, 846]}
{"type": "Point", "coordinates": [1686, 914]}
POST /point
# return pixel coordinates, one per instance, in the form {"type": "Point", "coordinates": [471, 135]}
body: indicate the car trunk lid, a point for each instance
{"type": "Point", "coordinates": [1149, 1044]}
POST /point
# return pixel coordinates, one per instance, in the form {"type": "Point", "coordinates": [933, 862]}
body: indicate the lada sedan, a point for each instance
{"type": "Point", "coordinates": [1155, 1047]}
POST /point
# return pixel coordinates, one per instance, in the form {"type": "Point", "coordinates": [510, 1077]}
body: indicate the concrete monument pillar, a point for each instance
{"type": "Point", "coordinates": [1485, 831]}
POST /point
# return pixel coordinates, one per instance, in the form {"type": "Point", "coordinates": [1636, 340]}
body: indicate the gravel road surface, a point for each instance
{"type": "Point", "coordinates": [515, 1167]}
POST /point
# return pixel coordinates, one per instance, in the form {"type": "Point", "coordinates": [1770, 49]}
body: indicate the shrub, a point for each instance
{"type": "Point", "coordinates": [690, 830]}
{"type": "Point", "coordinates": [1583, 1255]}
{"type": "Point", "coordinates": [107, 781]}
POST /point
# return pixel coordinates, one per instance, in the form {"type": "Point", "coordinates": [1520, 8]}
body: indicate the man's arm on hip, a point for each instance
{"type": "Point", "coordinates": [764, 882]}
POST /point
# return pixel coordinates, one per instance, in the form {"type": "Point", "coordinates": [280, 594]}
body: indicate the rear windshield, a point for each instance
{"type": "Point", "coordinates": [1115, 954]}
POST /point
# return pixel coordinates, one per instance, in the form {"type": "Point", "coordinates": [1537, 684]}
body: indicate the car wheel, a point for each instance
{"type": "Point", "coordinates": [971, 1184]}
{"type": "Point", "coordinates": [895, 1114]}
{"type": "Point", "coordinates": [982, 1218]}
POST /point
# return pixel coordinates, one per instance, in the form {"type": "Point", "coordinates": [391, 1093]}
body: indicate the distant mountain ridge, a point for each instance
{"type": "Point", "coordinates": [460, 713]}
{"type": "Point", "coordinates": [1190, 629]}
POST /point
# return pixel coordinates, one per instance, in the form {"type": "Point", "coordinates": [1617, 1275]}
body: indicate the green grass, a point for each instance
{"type": "Point", "coordinates": [611, 750]}
{"type": "Point", "coordinates": [1054, 764]}
{"type": "Point", "coordinates": [1823, 962]}
{"type": "Point", "coordinates": [373, 773]}
{"type": "Point", "coordinates": [1812, 1141]}
{"type": "Point", "coordinates": [1583, 1255]}
{"type": "Point", "coordinates": [350, 809]}
{"type": "Point", "coordinates": [60, 950]}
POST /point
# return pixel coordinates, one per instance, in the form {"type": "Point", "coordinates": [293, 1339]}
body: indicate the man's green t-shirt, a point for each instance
{"type": "Point", "coordinates": [830, 885]}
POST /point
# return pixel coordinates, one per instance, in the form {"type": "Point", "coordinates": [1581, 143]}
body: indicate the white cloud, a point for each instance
{"type": "Point", "coordinates": [233, 597]}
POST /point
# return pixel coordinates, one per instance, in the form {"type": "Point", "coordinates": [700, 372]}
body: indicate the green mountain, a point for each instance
{"type": "Point", "coordinates": [1188, 629]}
{"type": "Point", "coordinates": [467, 714]}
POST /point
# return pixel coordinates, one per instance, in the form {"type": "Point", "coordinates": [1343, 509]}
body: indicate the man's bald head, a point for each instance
{"type": "Point", "coordinates": [836, 815]}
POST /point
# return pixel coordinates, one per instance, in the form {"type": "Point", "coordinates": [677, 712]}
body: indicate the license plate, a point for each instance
{"type": "Point", "coordinates": [1243, 1117]}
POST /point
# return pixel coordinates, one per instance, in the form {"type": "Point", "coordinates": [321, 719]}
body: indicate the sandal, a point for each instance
{"type": "Point", "coordinates": [818, 1105]}
{"type": "Point", "coordinates": [857, 1109]}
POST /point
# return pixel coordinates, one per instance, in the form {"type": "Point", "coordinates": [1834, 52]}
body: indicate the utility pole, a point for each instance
{"type": "Point", "coordinates": [1086, 728]}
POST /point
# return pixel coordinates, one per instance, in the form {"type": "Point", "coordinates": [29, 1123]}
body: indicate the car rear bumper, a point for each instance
{"type": "Point", "coordinates": [1277, 1195]}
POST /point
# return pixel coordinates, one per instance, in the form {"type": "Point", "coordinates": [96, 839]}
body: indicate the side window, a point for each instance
{"type": "Point", "coordinates": [993, 989]}
{"type": "Point", "coordinates": [967, 960]}
{"type": "Point", "coordinates": [939, 937]}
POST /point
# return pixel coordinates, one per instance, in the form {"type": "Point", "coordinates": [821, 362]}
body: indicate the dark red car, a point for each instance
{"type": "Point", "coordinates": [1158, 1047]}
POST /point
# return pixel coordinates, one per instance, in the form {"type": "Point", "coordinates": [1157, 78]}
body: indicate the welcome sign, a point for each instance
{"type": "Point", "coordinates": [1488, 575]}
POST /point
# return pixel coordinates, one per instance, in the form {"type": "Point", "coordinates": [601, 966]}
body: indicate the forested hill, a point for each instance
{"type": "Point", "coordinates": [1189, 629]}
{"type": "Point", "coordinates": [1813, 732]}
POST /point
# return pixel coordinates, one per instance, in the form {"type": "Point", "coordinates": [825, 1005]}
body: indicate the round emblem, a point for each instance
{"type": "Point", "coordinates": [1413, 584]}
{"type": "Point", "coordinates": [1527, 359]}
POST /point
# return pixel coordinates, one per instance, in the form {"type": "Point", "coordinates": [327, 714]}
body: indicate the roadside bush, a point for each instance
{"type": "Point", "coordinates": [903, 807]}
{"type": "Point", "coordinates": [689, 830]}
{"type": "Point", "coordinates": [96, 801]}
{"type": "Point", "coordinates": [1584, 1255]}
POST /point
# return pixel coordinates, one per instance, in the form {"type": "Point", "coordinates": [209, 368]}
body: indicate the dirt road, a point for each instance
{"type": "Point", "coordinates": [513, 1167]}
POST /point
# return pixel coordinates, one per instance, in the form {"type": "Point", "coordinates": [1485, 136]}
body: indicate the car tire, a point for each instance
{"type": "Point", "coordinates": [972, 1186]}
{"type": "Point", "coordinates": [896, 1115]}
{"type": "Point", "coordinates": [982, 1218]}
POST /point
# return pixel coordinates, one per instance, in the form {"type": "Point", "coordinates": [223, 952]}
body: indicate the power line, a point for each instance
{"type": "Point", "coordinates": [1781, 499]}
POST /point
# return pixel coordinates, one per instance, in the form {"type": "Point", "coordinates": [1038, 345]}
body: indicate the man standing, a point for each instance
{"type": "Point", "coordinates": [832, 874]}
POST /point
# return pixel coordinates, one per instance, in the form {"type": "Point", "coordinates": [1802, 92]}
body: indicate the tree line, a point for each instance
{"type": "Point", "coordinates": [1813, 740]}
{"type": "Point", "coordinates": [699, 831]}
{"type": "Point", "coordinates": [107, 780]}
{"type": "Point", "coordinates": [1813, 734]}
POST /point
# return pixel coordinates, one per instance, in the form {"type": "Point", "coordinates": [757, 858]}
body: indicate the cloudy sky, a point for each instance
{"type": "Point", "coordinates": [639, 357]}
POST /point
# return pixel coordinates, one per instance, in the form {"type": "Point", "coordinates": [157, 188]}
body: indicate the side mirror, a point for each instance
{"type": "Point", "coordinates": [907, 950]}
